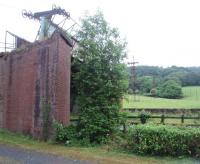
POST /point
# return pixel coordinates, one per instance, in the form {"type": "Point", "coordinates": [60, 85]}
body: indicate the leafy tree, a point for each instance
{"type": "Point", "coordinates": [191, 79]}
{"type": "Point", "coordinates": [145, 84]}
{"type": "Point", "coordinates": [101, 80]}
{"type": "Point", "coordinates": [170, 89]}
{"type": "Point", "coordinates": [173, 77]}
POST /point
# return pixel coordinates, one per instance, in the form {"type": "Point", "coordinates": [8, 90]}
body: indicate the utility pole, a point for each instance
{"type": "Point", "coordinates": [133, 77]}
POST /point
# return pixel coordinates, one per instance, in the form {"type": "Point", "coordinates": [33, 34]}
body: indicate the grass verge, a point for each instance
{"type": "Point", "coordinates": [95, 154]}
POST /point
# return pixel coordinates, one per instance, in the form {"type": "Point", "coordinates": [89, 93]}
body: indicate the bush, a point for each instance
{"type": "Point", "coordinates": [145, 83]}
{"type": "Point", "coordinates": [153, 92]}
{"type": "Point", "coordinates": [130, 91]}
{"type": "Point", "coordinates": [144, 116]}
{"type": "Point", "coordinates": [170, 89]}
{"type": "Point", "coordinates": [65, 134]}
{"type": "Point", "coordinates": [165, 140]}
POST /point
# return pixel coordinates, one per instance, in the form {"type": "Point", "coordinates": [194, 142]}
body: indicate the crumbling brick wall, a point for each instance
{"type": "Point", "coordinates": [31, 76]}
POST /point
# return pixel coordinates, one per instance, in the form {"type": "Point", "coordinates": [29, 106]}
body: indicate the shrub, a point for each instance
{"type": "Point", "coordinates": [170, 89]}
{"type": "Point", "coordinates": [130, 91]}
{"type": "Point", "coordinates": [144, 116]}
{"type": "Point", "coordinates": [165, 140]}
{"type": "Point", "coordinates": [153, 92]}
{"type": "Point", "coordinates": [65, 134]}
{"type": "Point", "coordinates": [145, 83]}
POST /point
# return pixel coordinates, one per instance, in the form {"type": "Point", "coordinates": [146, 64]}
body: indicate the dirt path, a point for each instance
{"type": "Point", "coordinates": [14, 155]}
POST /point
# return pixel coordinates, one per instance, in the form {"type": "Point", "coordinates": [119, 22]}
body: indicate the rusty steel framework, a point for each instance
{"type": "Point", "coordinates": [8, 46]}
{"type": "Point", "coordinates": [133, 76]}
{"type": "Point", "coordinates": [11, 42]}
{"type": "Point", "coordinates": [49, 16]}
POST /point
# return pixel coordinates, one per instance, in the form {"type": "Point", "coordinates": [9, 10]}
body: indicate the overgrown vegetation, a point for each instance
{"type": "Point", "coordinates": [67, 135]}
{"type": "Point", "coordinates": [101, 80]}
{"type": "Point", "coordinates": [145, 139]}
{"type": "Point", "coordinates": [165, 140]}
{"type": "Point", "coordinates": [93, 154]}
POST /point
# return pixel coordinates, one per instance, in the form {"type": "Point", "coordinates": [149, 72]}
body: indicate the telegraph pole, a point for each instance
{"type": "Point", "coordinates": [133, 76]}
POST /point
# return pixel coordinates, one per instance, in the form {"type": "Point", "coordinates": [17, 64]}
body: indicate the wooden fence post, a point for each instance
{"type": "Point", "coordinates": [182, 118]}
{"type": "Point", "coordinates": [124, 128]}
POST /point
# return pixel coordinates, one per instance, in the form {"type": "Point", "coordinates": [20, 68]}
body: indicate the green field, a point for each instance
{"type": "Point", "coordinates": [190, 100]}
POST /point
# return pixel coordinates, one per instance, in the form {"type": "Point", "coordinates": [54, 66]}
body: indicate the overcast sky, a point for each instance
{"type": "Point", "coordinates": [158, 32]}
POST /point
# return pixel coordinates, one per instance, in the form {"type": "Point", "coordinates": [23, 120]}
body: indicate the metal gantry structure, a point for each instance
{"type": "Point", "coordinates": [11, 42]}
{"type": "Point", "coordinates": [47, 27]}
{"type": "Point", "coordinates": [133, 76]}
{"type": "Point", "coordinates": [8, 45]}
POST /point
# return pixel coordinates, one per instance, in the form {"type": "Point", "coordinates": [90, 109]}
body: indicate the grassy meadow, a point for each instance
{"type": "Point", "coordinates": [191, 99]}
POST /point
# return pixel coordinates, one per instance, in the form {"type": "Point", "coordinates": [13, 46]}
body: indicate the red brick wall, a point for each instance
{"type": "Point", "coordinates": [63, 83]}
{"type": "Point", "coordinates": [28, 78]}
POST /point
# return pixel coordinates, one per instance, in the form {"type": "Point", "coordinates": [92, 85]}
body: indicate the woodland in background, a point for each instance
{"type": "Point", "coordinates": [151, 80]}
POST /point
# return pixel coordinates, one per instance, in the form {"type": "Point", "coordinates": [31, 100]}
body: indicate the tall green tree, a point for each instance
{"type": "Point", "coordinates": [102, 78]}
{"type": "Point", "coordinates": [170, 89]}
{"type": "Point", "coordinates": [145, 84]}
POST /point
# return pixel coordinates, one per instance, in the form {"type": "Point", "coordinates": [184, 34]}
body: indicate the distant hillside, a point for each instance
{"type": "Point", "coordinates": [186, 76]}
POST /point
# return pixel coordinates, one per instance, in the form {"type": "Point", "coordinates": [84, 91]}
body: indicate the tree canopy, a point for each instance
{"type": "Point", "coordinates": [102, 78]}
{"type": "Point", "coordinates": [170, 89]}
{"type": "Point", "coordinates": [150, 77]}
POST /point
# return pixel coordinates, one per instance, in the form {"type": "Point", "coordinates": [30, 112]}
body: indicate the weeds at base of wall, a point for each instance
{"type": "Point", "coordinates": [69, 135]}
{"type": "Point", "coordinates": [147, 139]}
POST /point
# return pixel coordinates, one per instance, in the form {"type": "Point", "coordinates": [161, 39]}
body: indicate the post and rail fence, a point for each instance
{"type": "Point", "coordinates": [162, 118]}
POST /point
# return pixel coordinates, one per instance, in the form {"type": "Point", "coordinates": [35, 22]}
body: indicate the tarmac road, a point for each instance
{"type": "Point", "coordinates": [15, 155]}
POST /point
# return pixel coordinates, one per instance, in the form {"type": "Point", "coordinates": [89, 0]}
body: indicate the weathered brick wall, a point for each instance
{"type": "Point", "coordinates": [3, 85]}
{"type": "Point", "coordinates": [30, 77]}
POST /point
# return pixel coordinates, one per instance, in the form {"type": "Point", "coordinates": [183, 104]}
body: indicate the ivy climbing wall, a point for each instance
{"type": "Point", "coordinates": [38, 73]}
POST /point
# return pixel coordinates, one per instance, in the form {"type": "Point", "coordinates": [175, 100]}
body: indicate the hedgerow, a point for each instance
{"type": "Point", "coordinates": [165, 140]}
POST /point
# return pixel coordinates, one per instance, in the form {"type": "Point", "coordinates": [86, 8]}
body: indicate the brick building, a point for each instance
{"type": "Point", "coordinates": [32, 76]}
